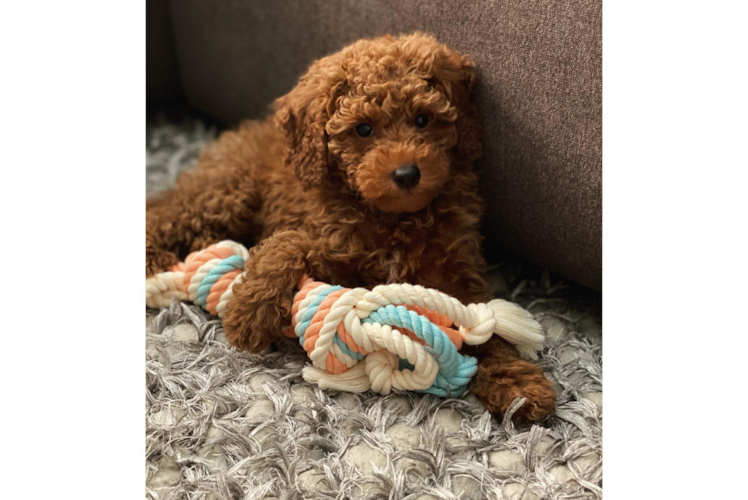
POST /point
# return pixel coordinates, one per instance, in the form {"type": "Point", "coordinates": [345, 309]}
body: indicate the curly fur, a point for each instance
{"type": "Point", "coordinates": [503, 375]}
{"type": "Point", "coordinates": [316, 197]}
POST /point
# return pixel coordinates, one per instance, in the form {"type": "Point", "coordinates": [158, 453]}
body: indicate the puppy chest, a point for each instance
{"type": "Point", "coordinates": [396, 264]}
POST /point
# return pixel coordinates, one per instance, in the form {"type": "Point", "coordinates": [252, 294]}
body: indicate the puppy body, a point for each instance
{"type": "Point", "coordinates": [242, 191]}
{"type": "Point", "coordinates": [313, 193]}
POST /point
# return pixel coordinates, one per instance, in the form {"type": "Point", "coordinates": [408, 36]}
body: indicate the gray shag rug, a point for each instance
{"type": "Point", "coordinates": [224, 424]}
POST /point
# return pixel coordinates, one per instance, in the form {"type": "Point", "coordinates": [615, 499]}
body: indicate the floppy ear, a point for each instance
{"type": "Point", "coordinates": [468, 126]}
{"type": "Point", "coordinates": [456, 75]}
{"type": "Point", "coordinates": [302, 115]}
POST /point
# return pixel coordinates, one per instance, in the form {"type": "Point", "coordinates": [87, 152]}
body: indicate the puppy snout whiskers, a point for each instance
{"type": "Point", "coordinates": [406, 176]}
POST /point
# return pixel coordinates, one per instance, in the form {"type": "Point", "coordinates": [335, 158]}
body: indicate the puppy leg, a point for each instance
{"type": "Point", "coordinates": [261, 307]}
{"type": "Point", "coordinates": [503, 375]}
{"type": "Point", "coordinates": [217, 201]}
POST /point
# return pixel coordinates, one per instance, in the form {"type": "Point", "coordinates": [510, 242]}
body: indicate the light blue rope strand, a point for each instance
{"type": "Point", "coordinates": [455, 369]}
{"type": "Point", "coordinates": [344, 347]}
{"type": "Point", "coordinates": [226, 265]}
{"type": "Point", "coordinates": [306, 318]}
{"type": "Point", "coordinates": [308, 315]}
{"type": "Point", "coordinates": [446, 352]}
{"type": "Point", "coordinates": [455, 386]}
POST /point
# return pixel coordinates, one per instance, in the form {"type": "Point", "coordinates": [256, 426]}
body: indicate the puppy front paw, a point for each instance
{"type": "Point", "coordinates": [261, 307]}
{"type": "Point", "coordinates": [256, 317]}
{"type": "Point", "coordinates": [498, 383]}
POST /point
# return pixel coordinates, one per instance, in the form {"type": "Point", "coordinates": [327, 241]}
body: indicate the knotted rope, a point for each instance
{"type": "Point", "coordinates": [205, 278]}
{"type": "Point", "coordinates": [407, 336]}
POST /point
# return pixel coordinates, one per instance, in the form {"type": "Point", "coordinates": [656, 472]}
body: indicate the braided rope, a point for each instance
{"type": "Point", "coordinates": [206, 277]}
{"type": "Point", "coordinates": [407, 336]}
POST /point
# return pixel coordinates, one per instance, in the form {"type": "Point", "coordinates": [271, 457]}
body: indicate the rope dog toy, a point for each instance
{"type": "Point", "coordinates": [397, 336]}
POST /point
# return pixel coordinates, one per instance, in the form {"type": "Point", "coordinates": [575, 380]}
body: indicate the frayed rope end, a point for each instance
{"type": "Point", "coordinates": [354, 379]}
{"type": "Point", "coordinates": [518, 327]}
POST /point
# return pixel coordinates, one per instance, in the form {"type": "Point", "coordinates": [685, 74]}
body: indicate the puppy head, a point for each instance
{"type": "Point", "coordinates": [389, 119]}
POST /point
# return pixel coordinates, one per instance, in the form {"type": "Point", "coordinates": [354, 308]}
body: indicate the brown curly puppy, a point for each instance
{"type": "Point", "coordinates": [363, 176]}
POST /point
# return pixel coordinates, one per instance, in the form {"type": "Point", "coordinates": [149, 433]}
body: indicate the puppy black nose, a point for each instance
{"type": "Point", "coordinates": [406, 176]}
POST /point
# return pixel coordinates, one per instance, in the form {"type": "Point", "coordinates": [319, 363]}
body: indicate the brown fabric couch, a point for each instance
{"type": "Point", "coordinates": [540, 94]}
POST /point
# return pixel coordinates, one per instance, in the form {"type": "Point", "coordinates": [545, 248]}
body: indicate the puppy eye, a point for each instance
{"type": "Point", "coordinates": [422, 120]}
{"type": "Point", "coordinates": [364, 129]}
